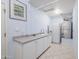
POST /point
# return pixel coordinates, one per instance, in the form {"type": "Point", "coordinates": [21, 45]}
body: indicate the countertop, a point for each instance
{"type": "Point", "coordinates": [27, 39]}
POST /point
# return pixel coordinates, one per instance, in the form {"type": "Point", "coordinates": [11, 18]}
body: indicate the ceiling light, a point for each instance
{"type": "Point", "coordinates": [57, 11]}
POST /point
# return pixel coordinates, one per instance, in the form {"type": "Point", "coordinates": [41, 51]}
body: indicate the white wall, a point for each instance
{"type": "Point", "coordinates": [36, 20]}
{"type": "Point", "coordinates": [55, 20]}
{"type": "Point", "coordinates": [75, 29]}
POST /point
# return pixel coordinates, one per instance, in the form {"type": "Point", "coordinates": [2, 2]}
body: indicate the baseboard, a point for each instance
{"type": "Point", "coordinates": [43, 53]}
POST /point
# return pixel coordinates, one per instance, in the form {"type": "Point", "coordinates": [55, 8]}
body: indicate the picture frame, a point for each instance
{"type": "Point", "coordinates": [17, 10]}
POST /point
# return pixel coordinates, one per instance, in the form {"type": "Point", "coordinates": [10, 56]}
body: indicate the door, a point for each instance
{"type": "Point", "coordinates": [66, 29]}
{"type": "Point", "coordinates": [3, 31]}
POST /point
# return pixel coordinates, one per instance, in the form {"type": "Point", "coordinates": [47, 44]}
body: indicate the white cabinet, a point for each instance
{"type": "Point", "coordinates": [29, 50]}
{"type": "Point", "coordinates": [39, 46]}
{"type": "Point", "coordinates": [18, 50]}
{"type": "Point", "coordinates": [25, 51]}
{"type": "Point", "coordinates": [49, 39]}
{"type": "Point", "coordinates": [46, 43]}
{"type": "Point", "coordinates": [32, 49]}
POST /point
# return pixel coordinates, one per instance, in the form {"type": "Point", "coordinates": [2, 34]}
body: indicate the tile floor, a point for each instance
{"type": "Point", "coordinates": [59, 51]}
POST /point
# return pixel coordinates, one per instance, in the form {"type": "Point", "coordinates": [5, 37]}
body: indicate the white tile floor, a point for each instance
{"type": "Point", "coordinates": [59, 51]}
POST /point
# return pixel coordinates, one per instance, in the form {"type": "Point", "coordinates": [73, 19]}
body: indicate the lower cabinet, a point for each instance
{"type": "Point", "coordinates": [45, 43]}
{"type": "Point", "coordinates": [29, 51]}
{"type": "Point", "coordinates": [32, 49]}
{"type": "Point", "coordinates": [49, 40]}
{"type": "Point", "coordinates": [25, 51]}
{"type": "Point", "coordinates": [39, 47]}
{"type": "Point", "coordinates": [18, 54]}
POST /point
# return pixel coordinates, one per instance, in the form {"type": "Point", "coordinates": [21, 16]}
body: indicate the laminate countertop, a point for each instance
{"type": "Point", "coordinates": [27, 39]}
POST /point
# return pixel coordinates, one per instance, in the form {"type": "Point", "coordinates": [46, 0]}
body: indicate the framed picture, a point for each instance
{"type": "Point", "coordinates": [17, 10]}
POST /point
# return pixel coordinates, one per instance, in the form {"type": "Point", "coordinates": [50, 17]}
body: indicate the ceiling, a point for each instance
{"type": "Point", "coordinates": [48, 6]}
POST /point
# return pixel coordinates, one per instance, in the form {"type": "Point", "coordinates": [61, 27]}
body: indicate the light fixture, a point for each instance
{"type": "Point", "coordinates": [57, 11]}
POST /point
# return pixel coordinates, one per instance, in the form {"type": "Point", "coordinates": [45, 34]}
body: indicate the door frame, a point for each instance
{"type": "Point", "coordinates": [3, 31]}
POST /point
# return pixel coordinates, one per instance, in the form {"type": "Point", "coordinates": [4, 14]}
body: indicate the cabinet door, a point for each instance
{"type": "Point", "coordinates": [18, 51]}
{"type": "Point", "coordinates": [45, 43]}
{"type": "Point", "coordinates": [29, 50]}
{"type": "Point", "coordinates": [39, 46]}
{"type": "Point", "coordinates": [49, 40]}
